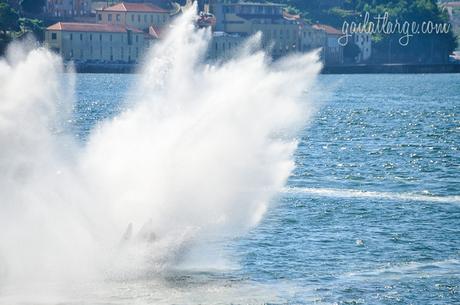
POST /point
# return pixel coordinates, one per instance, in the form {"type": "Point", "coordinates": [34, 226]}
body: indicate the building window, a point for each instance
{"type": "Point", "coordinates": [164, 19]}
{"type": "Point", "coordinates": [99, 17]}
{"type": "Point", "coordinates": [130, 37]}
{"type": "Point", "coordinates": [100, 37]}
{"type": "Point", "coordinates": [158, 19]}
{"type": "Point", "coordinates": [145, 18]}
{"type": "Point", "coordinates": [90, 36]}
{"type": "Point", "coordinates": [118, 17]}
{"type": "Point", "coordinates": [151, 19]}
{"type": "Point", "coordinates": [139, 18]}
{"type": "Point", "coordinates": [71, 36]}
{"type": "Point", "coordinates": [137, 38]}
{"type": "Point", "coordinates": [111, 37]}
{"type": "Point", "coordinates": [81, 36]}
{"type": "Point", "coordinates": [53, 36]}
{"type": "Point", "coordinates": [109, 17]}
{"type": "Point", "coordinates": [132, 18]}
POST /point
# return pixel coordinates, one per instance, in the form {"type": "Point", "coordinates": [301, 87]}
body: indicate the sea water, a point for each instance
{"type": "Point", "coordinates": [243, 182]}
{"type": "Point", "coordinates": [371, 214]}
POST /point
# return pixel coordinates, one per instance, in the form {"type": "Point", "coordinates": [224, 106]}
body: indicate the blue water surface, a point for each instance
{"type": "Point", "coordinates": [371, 214]}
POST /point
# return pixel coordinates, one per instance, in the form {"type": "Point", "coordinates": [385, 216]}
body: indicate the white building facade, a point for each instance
{"type": "Point", "coordinates": [68, 8]}
{"type": "Point", "coordinates": [96, 42]}
{"type": "Point", "coordinates": [121, 34]}
{"type": "Point", "coordinates": [282, 33]}
{"type": "Point", "coordinates": [224, 45]}
{"type": "Point", "coordinates": [139, 15]}
{"type": "Point", "coordinates": [364, 43]}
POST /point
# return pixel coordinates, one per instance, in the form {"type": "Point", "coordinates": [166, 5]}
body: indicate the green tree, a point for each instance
{"type": "Point", "coordinates": [8, 19]}
{"type": "Point", "coordinates": [434, 47]}
{"type": "Point", "coordinates": [33, 26]}
{"type": "Point", "coordinates": [32, 6]}
{"type": "Point", "coordinates": [8, 24]}
{"type": "Point", "coordinates": [422, 47]}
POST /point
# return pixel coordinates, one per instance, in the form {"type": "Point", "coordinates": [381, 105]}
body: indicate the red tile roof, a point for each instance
{"type": "Point", "coordinates": [91, 27]}
{"type": "Point", "coordinates": [327, 28]}
{"type": "Point", "coordinates": [135, 7]}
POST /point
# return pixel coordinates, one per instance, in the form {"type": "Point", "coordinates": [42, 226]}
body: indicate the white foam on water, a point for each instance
{"type": "Point", "coordinates": [448, 267]}
{"type": "Point", "coordinates": [352, 193]}
{"type": "Point", "coordinates": [156, 291]}
{"type": "Point", "coordinates": [195, 159]}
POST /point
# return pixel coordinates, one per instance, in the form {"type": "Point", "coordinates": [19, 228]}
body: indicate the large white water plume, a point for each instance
{"type": "Point", "coordinates": [196, 158]}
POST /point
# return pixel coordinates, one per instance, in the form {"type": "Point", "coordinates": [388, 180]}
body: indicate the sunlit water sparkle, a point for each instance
{"type": "Point", "coordinates": [370, 215]}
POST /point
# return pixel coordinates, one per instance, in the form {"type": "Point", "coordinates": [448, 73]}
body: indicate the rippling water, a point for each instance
{"type": "Point", "coordinates": [371, 214]}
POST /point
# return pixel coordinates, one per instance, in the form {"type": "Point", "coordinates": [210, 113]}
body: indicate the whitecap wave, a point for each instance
{"type": "Point", "coordinates": [353, 193]}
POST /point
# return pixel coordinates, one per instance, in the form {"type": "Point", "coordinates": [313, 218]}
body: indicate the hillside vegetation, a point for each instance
{"type": "Point", "coordinates": [422, 47]}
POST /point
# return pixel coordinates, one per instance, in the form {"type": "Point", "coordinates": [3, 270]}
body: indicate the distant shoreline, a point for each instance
{"type": "Point", "coordinates": [392, 69]}
{"type": "Point", "coordinates": [339, 69]}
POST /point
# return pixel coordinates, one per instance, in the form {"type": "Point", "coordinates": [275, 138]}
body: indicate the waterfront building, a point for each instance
{"type": "Point", "coordinates": [139, 15]}
{"type": "Point", "coordinates": [311, 37]}
{"type": "Point", "coordinates": [161, 3]}
{"type": "Point", "coordinates": [121, 34]}
{"type": "Point", "coordinates": [68, 8]}
{"type": "Point", "coordinates": [364, 43]}
{"type": "Point", "coordinates": [282, 33]}
{"type": "Point", "coordinates": [238, 17]}
{"type": "Point", "coordinates": [333, 51]}
{"type": "Point", "coordinates": [224, 45]}
{"type": "Point", "coordinates": [97, 42]}
{"type": "Point", "coordinates": [122, 31]}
